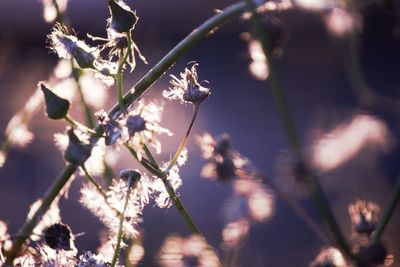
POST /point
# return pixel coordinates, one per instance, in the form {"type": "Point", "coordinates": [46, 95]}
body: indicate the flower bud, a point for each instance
{"type": "Point", "coordinates": [56, 107]}
{"type": "Point", "coordinates": [196, 94]}
{"type": "Point", "coordinates": [58, 236]}
{"type": "Point", "coordinates": [77, 152]}
{"type": "Point", "coordinates": [131, 176]}
{"type": "Point", "coordinates": [123, 19]}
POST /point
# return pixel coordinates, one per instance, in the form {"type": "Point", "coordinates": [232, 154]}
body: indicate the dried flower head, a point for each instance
{"type": "Point", "coordinates": [187, 89]}
{"type": "Point", "coordinates": [329, 257]}
{"type": "Point", "coordinates": [58, 236]}
{"type": "Point", "coordinates": [364, 216]}
{"type": "Point", "coordinates": [66, 45]}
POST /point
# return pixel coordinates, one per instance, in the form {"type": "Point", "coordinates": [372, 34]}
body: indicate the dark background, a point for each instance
{"type": "Point", "coordinates": [312, 72]}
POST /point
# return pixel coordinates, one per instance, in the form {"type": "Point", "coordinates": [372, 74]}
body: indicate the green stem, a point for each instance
{"type": "Point", "coordinates": [184, 140]}
{"type": "Point", "coordinates": [149, 155]}
{"type": "Point", "coordinates": [121, 225]}
{"type": "Point", "coordinates": [317, 194]}
{"type": "Point", "coordinates": [76, 124]}
{"type": "Point", "coordinates": [388, 211]}
{"type": "Point", "coordinates": [204, 30]}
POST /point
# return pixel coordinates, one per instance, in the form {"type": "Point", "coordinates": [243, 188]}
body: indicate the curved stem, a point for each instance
{"type": "Point", "coordinates": [184, 140]}
{"type": "Point", "coordinates": [317, 194]}
{"type": "Point", "coordinates": [137, 90]}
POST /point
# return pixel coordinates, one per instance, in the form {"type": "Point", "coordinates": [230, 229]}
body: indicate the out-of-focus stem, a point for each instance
{"type": "Point", "coordinates": [204, 30]}
{"type": "Point", "coordinates": [317, 194]}
{"type": "Point", "coordinates": [388, 211]}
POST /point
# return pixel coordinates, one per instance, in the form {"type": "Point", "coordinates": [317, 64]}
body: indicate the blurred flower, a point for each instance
{"type": "Point", "coordinates": [94, 91]}
{"type": "Point", "coordinates": [259, 63]}
{"type": "Point", "coordinates": [329, 257]}
{"type": "Point", "coordinates": [340, 22]}
{"type": "Point", "coordinates": [316, 5]}
{"type": "Point", "coordinates": [223, 162]}
{"type": "Point", "coordinates": [183, 252]}
{"type": "Point", "coordinates": [17, 132]}
{"type": "Point", "coordinates": [234, 232]}
{"type": "Point", "coordinates": [51, 8]}
{"type": "Point", "coordinates": [135, 253]}
{"type": "Point", "coordinates": [187, 89]}
{"type": "Point", "coordinates": [346, 140]}
{"type": "Point", "coordinates": [373, 254]}
{"type": "Point", "coordinates": [364, 216]}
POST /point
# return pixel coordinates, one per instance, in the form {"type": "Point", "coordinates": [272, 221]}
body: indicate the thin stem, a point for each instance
{"type": "Point", "coordinates": [119, 76]}
{"type": "Point", "coordinates": [184, 140]}
{"type": "Point", "coordinates": [149, 155]}
{"type": "Point", "coordinates": [295, 206]}
{"type": "Point", "coordinates": [76, 124]}
{"type": "Point", "coordinates": [317, 194]}
{"type": "Point", "coordinates": [121, 225]}
{"type": "Point", "coordinates": [204, 30]}
{"type": "Point", "coordinates": [388, 211]}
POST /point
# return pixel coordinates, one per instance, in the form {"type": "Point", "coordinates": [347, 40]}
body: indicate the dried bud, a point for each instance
{"type": "Point", "coordinates": [131, 176]}
{"type": "Point", "coordinates": [123, 19]}
{"type": "Point", "coordinates": [77, 152]}
{"type": "Point", "coordinates": [58, 236]}
{"type": "Point", "coordinates": [56, 107]}
{"type": "Point", "coordinates": [135, 124]}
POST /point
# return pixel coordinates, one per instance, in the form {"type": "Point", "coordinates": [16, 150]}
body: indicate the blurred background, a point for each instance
{"type": "Point", "coordinates": [313, 70]}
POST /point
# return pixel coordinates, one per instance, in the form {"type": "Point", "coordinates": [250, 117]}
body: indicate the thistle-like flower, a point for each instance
{"type": "Point", "coordinates": [67, 45]}
{"type": "Point", "coordinates": [187, 89]}
{"type": "Point", "coordinates": [136, 128]}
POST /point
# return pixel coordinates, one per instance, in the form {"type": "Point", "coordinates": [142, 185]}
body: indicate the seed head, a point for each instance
{"type": "Point", "coordinates": [187, 89]}
{"type": "Point", "coordinates": [58, 236]}
{"type": "Point", "coordinates": [66, 45]}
